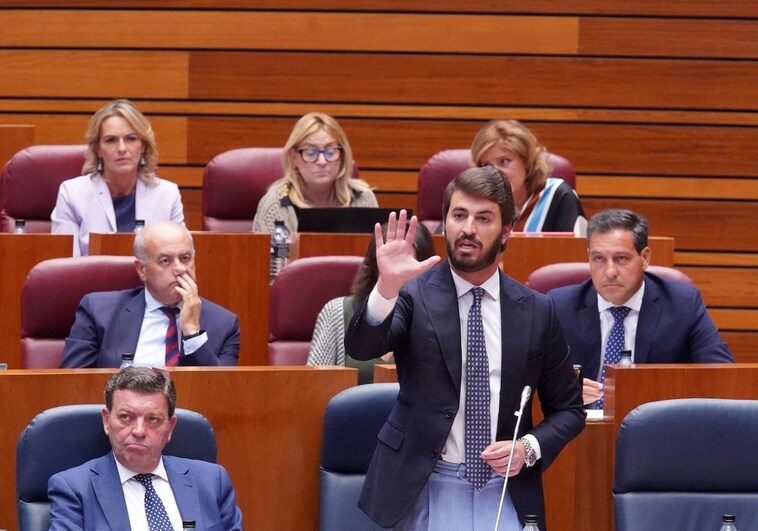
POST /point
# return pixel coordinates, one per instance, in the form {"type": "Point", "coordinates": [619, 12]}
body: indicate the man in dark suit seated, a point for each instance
{"type": "Point", "coordinates": [135, 486]}
{"type": "Point", "coordinates": [467, 339]}
{"type": "Point", "coordinates": [164, 323]}
{"type": "Point", "coordinates": [624, 308]}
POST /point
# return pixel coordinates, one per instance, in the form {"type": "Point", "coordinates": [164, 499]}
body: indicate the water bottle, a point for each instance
{"type": "Point", "coordinates": [531, 523]}
{"type": "Point", "coordinates": [139, 224]}
{"type": "Point", "coordinates": [20, 227]}
{"type": "Point", "coordinates": [188, 524]}
{"type": "Point", "coordinates": [728, 522]}
{"type": "Point", "coordinates": [127, 360]}
{"type": "Point", "coordinates": [626, 358]}
{"type": "Point", "coordinates": [280, 249]}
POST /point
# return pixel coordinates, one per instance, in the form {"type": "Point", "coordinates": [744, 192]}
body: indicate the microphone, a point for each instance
{"type": "Point", "coordinates": [525, 394]}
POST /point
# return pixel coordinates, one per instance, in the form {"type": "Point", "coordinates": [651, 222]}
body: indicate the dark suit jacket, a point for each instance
{"type": "Point", "coordinates": [108, 324]}
{"type": "Point", "coordinates": [90, 496]}
{"type": "Point", "coordinates": [673, 325]}
{"type": "Point", "coordinates": [424, 332]}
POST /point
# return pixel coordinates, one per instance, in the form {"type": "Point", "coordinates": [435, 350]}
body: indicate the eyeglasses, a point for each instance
{"type": "Point", "coordinates": [331, 153]}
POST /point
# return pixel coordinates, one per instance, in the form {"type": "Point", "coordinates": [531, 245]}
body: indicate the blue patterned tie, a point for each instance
{"type": "Point", "coordinates": [615, 342]}
{"type": "Point", "coordinates": [478, 430]}
{"type": "Point", "coordinates": [157, 518]}
{"type": "Point", "coordinates": [172, 337]}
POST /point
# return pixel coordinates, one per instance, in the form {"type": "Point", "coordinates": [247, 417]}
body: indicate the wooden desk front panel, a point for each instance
{"type": "Point", "coordinates": [14, 138]}
{"type": "Point", "coordinates": [232, 270]}
{"type": "Point", "coordinates": [268, 424]}
{"type": "Point", "coordinates": [18, 254]}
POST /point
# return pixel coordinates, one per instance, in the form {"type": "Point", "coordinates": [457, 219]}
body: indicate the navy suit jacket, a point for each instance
{"type": "Point", "coordinates": [673, 325]}
{"type": "Point", "coordinates": [90, 496]}
{"type": "Point", "coordinates": [108, 324]}
{"type": "Point", "coordinates": [424, 332]}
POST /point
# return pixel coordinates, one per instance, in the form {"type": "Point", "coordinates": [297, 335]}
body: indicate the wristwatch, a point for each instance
{"type": "Point", "coordinates": [531, 455]}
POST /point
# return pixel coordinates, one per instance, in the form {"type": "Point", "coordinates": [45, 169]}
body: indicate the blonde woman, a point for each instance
{"type": "Point", "coordinates": [119, 185]}
{"type": "Point", "coordinates": [543, 203]}
{"type": "Point", "coordinates": [318, 165]}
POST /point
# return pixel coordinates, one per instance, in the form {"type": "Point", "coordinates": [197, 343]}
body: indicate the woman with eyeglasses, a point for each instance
{"type": "Point", "coordinates": [318, 165]}
{"type": "Point", "coordinates": [119, 184]}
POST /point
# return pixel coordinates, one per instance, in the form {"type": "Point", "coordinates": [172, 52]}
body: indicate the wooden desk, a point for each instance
{"type": "Point", "coordinates": [268, 423]}
{"type": "Point", "coordinates": [232, 270]}
{"type": "Point", "coordinates": [14, 138]}
{"type": "Point", "coordinates": [18, 254]}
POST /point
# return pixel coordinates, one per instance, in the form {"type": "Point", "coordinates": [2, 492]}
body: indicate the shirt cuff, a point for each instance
{"type": "Point", "coordinates": [191, 345]}
{"type": "Point", "coordinates": [535, 445]}
{"type": "Point", "coordinates": [378, 308]}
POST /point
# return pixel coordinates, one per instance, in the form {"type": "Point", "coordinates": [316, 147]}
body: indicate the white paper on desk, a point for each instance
{"type": "Point", "coordinates": [594, 414]}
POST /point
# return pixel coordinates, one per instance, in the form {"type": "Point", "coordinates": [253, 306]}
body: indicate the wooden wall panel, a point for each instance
{"type": "Point", "coordinates": [93, 74]}
{"type": "Point", "coordinates": [471, 79]}
{"type": "Point", "coordinates": [726, 286]}
{"type": "Point", "coordinates": [684, 8]}
{"type": "Point", "coordinates": [694, 225]}
{"type": "Point", "coordinates": [666, 37]}
{"type": "Point", "coordinates": [170, 131]}
{"type": "Point", "coordinates": [592, 148]}
{"type": "Point", "coordinates": [290, 31]}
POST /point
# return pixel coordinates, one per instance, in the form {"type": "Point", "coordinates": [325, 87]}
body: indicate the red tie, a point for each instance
{"type": "Point", "coordinates": [172, 337]}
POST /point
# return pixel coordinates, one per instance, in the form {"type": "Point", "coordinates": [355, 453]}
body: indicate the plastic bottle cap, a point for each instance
{"type": "Point", "coordinates": [729, 519]}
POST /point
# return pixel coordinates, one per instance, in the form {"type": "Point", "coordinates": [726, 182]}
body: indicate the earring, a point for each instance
{"type": "Point", "coordinates": [100, 166]}
{"type": "Point", "coordinates": [142, 161]}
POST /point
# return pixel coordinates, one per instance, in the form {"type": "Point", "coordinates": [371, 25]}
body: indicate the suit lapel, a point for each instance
{"type": "Point", "coordinates": [441, 302]}
{"type": "Point", "coordinates": [130, 320]}
{"type": "Point", "coordinates": [110, 496]}
{"type": "Point", "coordinates": [647, 322]}
{"type": "Point", "coordinates": [589, 329]}
{"type": "Point", "coordinates": [516, 318]}
{"type": "Point", "coordinates": [184, 487]}
{"type": "Point", "coordinates": [106, 202]}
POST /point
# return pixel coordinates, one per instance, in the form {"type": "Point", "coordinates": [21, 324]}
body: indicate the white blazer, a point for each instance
{"type": "Point", "coordinates": [84, 205]}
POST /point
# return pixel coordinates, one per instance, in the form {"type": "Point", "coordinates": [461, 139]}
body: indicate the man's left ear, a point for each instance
{"type": "Point", "coordinates": [645, 257]}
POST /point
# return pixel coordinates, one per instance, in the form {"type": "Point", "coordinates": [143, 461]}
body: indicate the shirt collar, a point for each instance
{"type": "Point", "coordinates": [124, 474]}
{"type": "Point", "coordinates": [491, 285]}
{"type": "Point", "coordinates": [633, 303]}
{"type": "Point", "coordinates": [152, 304]}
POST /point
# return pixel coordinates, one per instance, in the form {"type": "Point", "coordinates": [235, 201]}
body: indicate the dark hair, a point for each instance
{"type": "Point", "coordinates": [486, 182]}
{"type": "Point", "coordinates": [143, 380]}
{"type": "Point", "coordinates": [608, 220]}
{"type": "Point", "coordinates": [368, 272]}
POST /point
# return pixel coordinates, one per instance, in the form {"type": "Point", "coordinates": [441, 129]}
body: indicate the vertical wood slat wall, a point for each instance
{"type": "Point", "coordinates": [655, 102]}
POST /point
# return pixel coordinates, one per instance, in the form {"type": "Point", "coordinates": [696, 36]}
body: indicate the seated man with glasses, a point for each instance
{"type": "Point", "coordinates": [318, 165]}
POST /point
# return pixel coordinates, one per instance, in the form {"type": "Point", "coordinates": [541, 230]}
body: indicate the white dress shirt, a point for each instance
{"type": "Point", "coordinates": [134, 494]}
{"type": "Point", "coordinates": [378, 308]}
{"type": "Point", "coordinates": [151, 345]}
{"type": "Point", "coordinates": [630, 323]}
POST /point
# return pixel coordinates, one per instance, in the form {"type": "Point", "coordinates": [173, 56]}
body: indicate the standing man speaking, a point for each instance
{"type": "Point", "coordinates": [467, 340]}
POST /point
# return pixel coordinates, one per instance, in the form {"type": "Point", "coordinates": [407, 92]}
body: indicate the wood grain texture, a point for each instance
{"type": "Point", "coordinates": [93, 74]}
{"type": "Point", "coordinates": [379, 32]}
{"type": "Point", "coordinates": [440, 79]}
{"type": "Point", "coordinates": [695, 225]}
{"type": "Point", "coordinates": [685, 8]}
{"type": "Point", "coordinates": [726, 286]}
{"type": "Point", "coordinates": [14, 138]}
{"type": "Point", "coordinates": [666, 37]}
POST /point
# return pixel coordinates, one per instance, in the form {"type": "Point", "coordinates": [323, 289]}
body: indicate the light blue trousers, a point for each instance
{"type": "Point", "coordinates": [449, 503]}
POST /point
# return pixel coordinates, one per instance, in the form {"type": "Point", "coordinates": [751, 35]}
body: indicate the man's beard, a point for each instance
{"type": "Point", "coordinates": [471, 264]}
